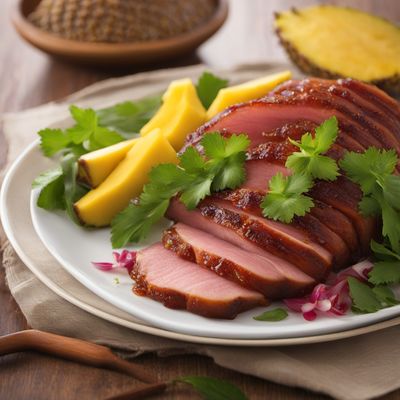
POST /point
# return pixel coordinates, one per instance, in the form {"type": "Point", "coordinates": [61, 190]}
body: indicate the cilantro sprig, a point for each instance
{"type": "Point", "coordinates": [286, 197]}
{"type": "Point", "coordinates": [310, 159]}
{"type": "Point", "coordinates": [208, 87]}
{"type": "Point", "coordinates": [222, 167]}
{"type": "Point", "coordinates": [59, 187]}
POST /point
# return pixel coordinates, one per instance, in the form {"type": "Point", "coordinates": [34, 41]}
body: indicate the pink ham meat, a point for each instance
{"type": "Point", "coordinates": [269, 275]}
{"type": "Point", "coordinates": [330, 94]}
{"type": "Point", "coordinates": [224, 257]}
{"type": "Point", "coordinates": [257, 234]}
{"type": "Point", "coordinates": [180, 284]}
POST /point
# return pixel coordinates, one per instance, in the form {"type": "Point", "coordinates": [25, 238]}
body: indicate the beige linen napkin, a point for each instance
{"type": "Point", "coordinates": [359, 368]}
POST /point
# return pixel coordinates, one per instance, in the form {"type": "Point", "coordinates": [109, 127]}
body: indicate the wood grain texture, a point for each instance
{"type": "Point", "coordinates": [29, 78]}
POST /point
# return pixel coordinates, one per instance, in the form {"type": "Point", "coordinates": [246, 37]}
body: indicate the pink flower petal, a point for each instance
{"type": "Point", "coordinates": [126, 259]}
{"type": "Point", "coordinates": [103, 266]}
{"type": "Point", "coordinates": [310, 316]}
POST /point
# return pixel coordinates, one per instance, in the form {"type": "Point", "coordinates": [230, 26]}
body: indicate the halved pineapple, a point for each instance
{"type": "Point", "coordinates": [331, 42]}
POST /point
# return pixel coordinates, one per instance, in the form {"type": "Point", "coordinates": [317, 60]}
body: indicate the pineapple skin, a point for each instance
{"type": "Point", "coordinates": [390, 84]}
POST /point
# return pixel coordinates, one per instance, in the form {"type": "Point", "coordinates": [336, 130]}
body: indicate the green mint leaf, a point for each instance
{"type": "Point", "coordinates": [385, 295]}
{"type": "Point", "coordinates": [285, 197]}
{"type": "Point", "coordinates": [129, 117]}
{"type": "Point", "coordinates": [51, 185]}
{"type": "Point", "coordinates": [364, 298]}
{"type": "Point", "coordinates": [213, 389]}
{"type": "Point", "coordinates": [277, 314]}
{"type": "Point", "coordinates": [208, 87]}
{"type": "Point", "coordinates": [309, 160]}
{"type": "Point", "coordinates": [385, 272]}
{"type": "Point", "coordinates": [52, 141]}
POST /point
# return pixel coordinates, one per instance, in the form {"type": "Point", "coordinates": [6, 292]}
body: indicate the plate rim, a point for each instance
{"type": "Point", "coordinates": [151, 329]}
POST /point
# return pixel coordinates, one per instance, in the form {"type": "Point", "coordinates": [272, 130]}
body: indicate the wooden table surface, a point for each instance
{"type": "Point", "coordinates": [30, 78]}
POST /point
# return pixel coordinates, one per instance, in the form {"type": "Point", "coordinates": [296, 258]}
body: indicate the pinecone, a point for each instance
{"type": "Point", "coordinates": [119, 21]}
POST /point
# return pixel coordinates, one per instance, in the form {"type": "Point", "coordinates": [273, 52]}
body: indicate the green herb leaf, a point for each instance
{"type": "Point", "coordinates": [72, 190]}
{"type": "Point", "coordinates": [53, 140]}
{"type": "Point", "coordinates": [285, 197]}
{"type": "Point", "coordinates": [129, 117]}
{"type": "Point", "coordinates": [385, 295]}
{"type": "Point", "coordinates": [213, 389]}
{"type": "Point", "coordinates": [369, 168]}
{"type": "Point", "coordinates": [277, 314]}
{"type": "Point", "coordinates": [192, 180]}
{"type": "Point", "coordinates": [364, 298]}
{"type": "Point", "coordinates": [309, 160]}
{"type": "Point", "coordinates": [51, 195]}
{"type": "Point", "coordinates": [382, 252]}
{"type": "Point", "coordinates": [385, 272]}
{"type": "Point", "coordinates": [208, 87]}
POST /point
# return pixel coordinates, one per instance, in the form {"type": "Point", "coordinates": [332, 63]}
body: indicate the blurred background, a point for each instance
{"type": "Point", "coordinates": [245, 37]}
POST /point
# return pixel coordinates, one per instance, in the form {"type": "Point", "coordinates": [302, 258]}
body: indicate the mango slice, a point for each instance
{"type": "Point", "coordinates": [126, 181]}
{"type": "Point", "coordinates": [246, 91]}
{"type": "Point", "coordinates": [95, 166]}
{"type": "Point", "coordinates": [180, 114]}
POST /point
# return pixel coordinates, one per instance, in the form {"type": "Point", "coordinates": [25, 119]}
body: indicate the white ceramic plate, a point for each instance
{"type": "Point", "coordinates": [75, 248]}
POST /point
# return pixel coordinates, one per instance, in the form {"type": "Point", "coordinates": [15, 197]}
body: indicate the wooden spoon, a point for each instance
{"type": "Point", "coordinates": [72, 349]}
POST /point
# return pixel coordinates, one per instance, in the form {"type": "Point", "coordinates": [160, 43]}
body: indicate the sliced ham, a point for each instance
{"type": "Point", "coordinates": [250, 200]}
{"type": "Point", "coordinates": [341, 194]}
{"type": "Point", "coordinates": [261, 234]}
{"type": "Point", "coordinates": [269, 275]}
{"type": "Point", "coordinates": [325, 93]}
{"type": "Point", "coordinates": [180, 284]}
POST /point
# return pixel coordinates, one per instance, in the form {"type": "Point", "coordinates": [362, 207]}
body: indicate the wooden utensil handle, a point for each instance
{"type": "Point", "coordinates": [71, 349]}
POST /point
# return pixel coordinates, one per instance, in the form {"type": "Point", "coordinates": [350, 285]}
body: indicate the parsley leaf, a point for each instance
{"type": "Point", "coordinates": [385, 272]}
{"type": "Point", "coordinates": [364, 298]}
{"type": "Point", "coordinates": [193, 179]}
{"type": "Point", "coordinates": [309, 159]}
{"type": "Point", "coordinates": [53, 140]}
{"type": "Point", "coordinates": [373, 171]}
{"type": "Point", "coordinates": [213, 389]}
{"type": "Point", "coordinates": [277, 314]}
{"type": "Point", "coordinates": [285, 197]}
{"type": "Point", "coordinates": [51, 184]}
{"type": "Point", "coordinates": [208, 87]}
{"type": "Point", "coordinates": [129, 117]}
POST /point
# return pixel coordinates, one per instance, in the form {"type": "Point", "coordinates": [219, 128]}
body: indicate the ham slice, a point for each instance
{"type": "Point", "coordinates": [269, 275]}
{"type": "Point", "coordinates": [257, 234]}
{"type": "Point", "coordinates": [180, 284]}
{"type": "Point", "coordinates": [325, 93]}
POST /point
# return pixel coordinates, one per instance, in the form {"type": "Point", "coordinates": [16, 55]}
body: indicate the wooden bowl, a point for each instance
{"type": "Point", "coordinates": [121, 54]}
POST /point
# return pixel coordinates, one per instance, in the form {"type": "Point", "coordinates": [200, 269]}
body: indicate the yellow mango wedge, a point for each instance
{"type": "Point", "coordinates": [99, 206]}
{"type": "Point", "coordinates": [95, 166]}
{"type": "Point", "coordinates": [246, 91]}
{"type": "Point", "coordinates": [180, 114]}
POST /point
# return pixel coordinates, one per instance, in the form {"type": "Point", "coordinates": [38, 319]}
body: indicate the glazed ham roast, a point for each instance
{"type": "Point", "coordinates": [225, 257]}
